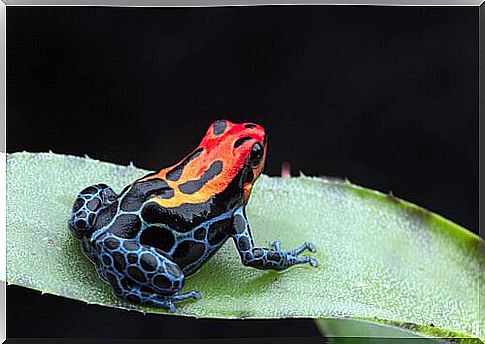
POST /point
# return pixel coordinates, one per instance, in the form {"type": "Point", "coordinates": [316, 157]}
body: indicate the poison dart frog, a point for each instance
{"type": "Point", "coordinates": [164, 226]}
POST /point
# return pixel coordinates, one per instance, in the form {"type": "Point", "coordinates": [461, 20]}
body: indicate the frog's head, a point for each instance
{"type": "Point", "coordinates": [241, 147]}
{"type": "Point", "coordinates": [225, 165]}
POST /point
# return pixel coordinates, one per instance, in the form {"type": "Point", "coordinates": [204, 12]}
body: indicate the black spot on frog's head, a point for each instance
{"type": "Point", "coordinates": [219, 127]}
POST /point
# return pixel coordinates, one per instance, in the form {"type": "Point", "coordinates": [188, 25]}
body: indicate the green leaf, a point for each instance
{"type": "Point", "coordinates": [381, 258]}
{"type": "Point", "coordinates": [376, 331]}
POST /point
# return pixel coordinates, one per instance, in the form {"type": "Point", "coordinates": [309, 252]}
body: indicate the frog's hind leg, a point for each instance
{"type": "Point", "coordinates": [143, 274]}
{"type": "Point", "coordinates": [87, 205]}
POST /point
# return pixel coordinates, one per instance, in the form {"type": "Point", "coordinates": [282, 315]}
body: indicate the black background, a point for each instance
{"type": "Point", "coordinates": [385, 96]}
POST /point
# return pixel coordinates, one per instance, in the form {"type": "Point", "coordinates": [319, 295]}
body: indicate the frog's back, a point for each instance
{"type": "Point", "coordinates": [189, 234]}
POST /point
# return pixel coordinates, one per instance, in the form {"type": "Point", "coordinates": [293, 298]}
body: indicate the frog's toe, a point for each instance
{"type": "Point", "coordinates": [193, 294]}
{"type": "Point", "coordinates": [313, 262]}
{"type": "Point", "coordinates": [196, 295]}
{"type": "Point", "coordinates": [311, 247]}
{"type": "Point", "coordinates": [293, 259]}
{"type": "Point", "coordinates": [276, 244]}
{"type": "Point", "coordinates": [306, 246]}
{"type": "Point", "coordinates": [171, 308]}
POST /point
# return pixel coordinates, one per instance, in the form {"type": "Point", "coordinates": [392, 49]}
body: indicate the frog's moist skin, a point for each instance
{"type": "Point", "coordinates": [165, 225]}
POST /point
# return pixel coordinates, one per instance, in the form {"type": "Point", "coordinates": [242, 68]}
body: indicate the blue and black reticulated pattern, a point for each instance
{"type": "Point", "coordinates": [86, 207]}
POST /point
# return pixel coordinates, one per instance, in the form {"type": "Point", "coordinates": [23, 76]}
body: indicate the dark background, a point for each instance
{"type": "Point", "coordinates": [385, 96]}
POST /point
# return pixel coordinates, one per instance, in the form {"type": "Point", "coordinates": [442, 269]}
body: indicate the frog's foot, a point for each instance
{"type": "Point", "coordinates": [86, 207]}
{"type": "Point", "coordinates": [193, 294]}
{"type": "Point", "coordinates": [293, 260]}
{"type": "Point", "coordinates": [163, 301]}
{"type": "Point", "coordinates": [156, 281]}
{"type": "Point", "coordinates": [170, 300]}
{"type": "Point", "coordinates": [292, 256]}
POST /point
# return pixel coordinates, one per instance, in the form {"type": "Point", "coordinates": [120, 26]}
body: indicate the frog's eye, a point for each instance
{"type": "Point", "coordinates": [256, 154]}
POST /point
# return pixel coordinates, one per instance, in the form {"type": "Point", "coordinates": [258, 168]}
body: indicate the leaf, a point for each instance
{"type": "Point", "coordinates": [375, 331]}
{"type": "Point", "coordinates": [380, 258]}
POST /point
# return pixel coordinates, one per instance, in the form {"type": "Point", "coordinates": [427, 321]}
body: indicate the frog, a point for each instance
{"type": "Point", "coordinates": [160, 229]}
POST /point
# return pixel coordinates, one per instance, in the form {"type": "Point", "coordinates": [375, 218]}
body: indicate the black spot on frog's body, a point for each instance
{"type": "Point", "coordinates": [243, 243]}
{"type": "Point", "coordinates": [78, 204]}
{"type": "Point", "coordinates": [175, 173]}
{"type": "Point", "coordinates": [239, 224]}
{"type": "Point", "coordinates": [105, 215]}
{"type": "Point", "coordinates": [94, 204]}
{"type": "Point", "coordinates": [112, 243]}
{"type": "Point", "coordinates": [162, 282]}
{"type": "Point", "coordinates": [274, 256]}
{"type": "Point", "coordinates": [133, 298]}
{"type": "Point", "coordinates": [173, 270]}
{"type": "Point", "coordinates": [136, 274]}
{"type": "Point", "coordinates": [91, 218]}
{"type": "Point", "coordinates": [126, 283]}
{"type": "Point", "coordinates": [107, 259]}
{"type": "Point", "coordinates": [119, 261]}
{"type": "Point", "coordinates": [153, 213]}
{"type": "Point", "coordinates": [180, 219]}
{"type": "Point", "coordinates": [158, 237]}
{"type": "Point", "coordinates": [141, 191]}
{"type": "Point", "coordinates": [219, 231]}
{"type": "Point", "coordinates": [131, 245]}
{"type": "Point", "coordinates": [192, 186]}
{"type": "Point", "coordinates": [81, 214]}
{"type": "Point", "coordinates": [148, 262]}
{"type": "Point", "coordinates": [200, 233]}
{"type": "Point", "coordinates": [132, 258]}
{"type": "Point", "coordinates": [187, 252]}
{"type": "Point", "coordinates": [89, 190]}
{"type": "Point", "coordinates": [81, 223]}
{"type": "Point", "coordinates": [126, 226]}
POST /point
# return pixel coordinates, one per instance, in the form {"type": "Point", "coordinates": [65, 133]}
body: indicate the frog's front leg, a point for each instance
{"type": "Point", "coordinates": [265, 258]}
{"type": "Point", "coordinates": [142, 274]}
